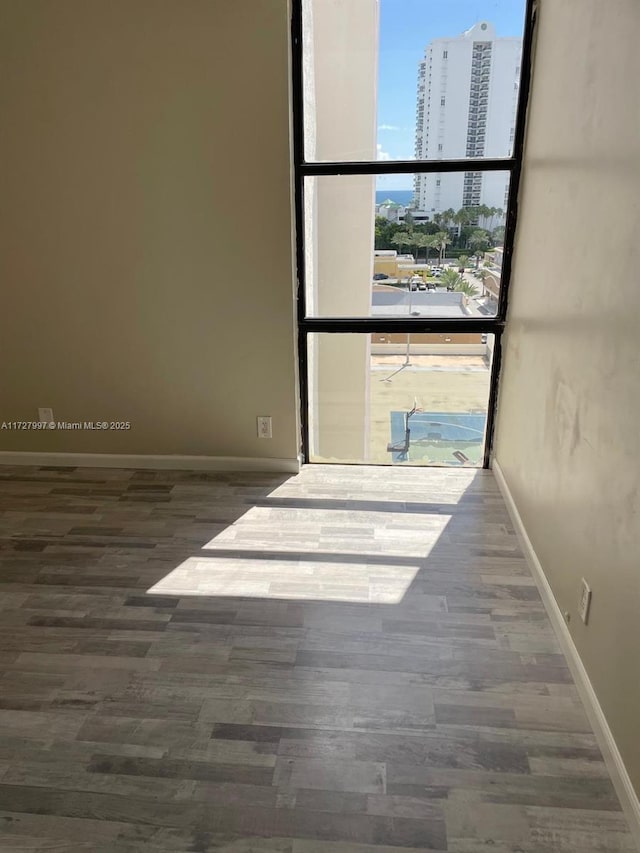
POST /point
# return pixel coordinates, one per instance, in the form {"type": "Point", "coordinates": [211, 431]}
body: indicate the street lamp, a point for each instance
{"type": "Point", "coordinates": [406, 359]}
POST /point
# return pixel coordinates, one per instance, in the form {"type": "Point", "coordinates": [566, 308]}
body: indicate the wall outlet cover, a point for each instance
{"type": "Point", "coordinates": [264, 426]}
{"type": "Point", "coordinates": [45, 415]}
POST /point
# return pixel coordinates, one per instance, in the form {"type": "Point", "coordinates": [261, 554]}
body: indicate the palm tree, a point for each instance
{"type": "Point", "coordinates": [448, 216]}
{"type": "Point", "coordinates": [401, 239]}
{"type": "Point", "coordinates": [491, 212]}
{"type": "Point", "coordinates": [416, 241]}
{"type": "Point", "coordinates": [461, 218]}
{"type": "Point", "coordinates": [463, 260]}
{"type": "Point", "coordinates": [424, 241]}
{"type": "Point", "coordinates": [497, 235]}
{"type": "Point", "coordinates": [450, 278]}
{"type": "Point", "coordinates": [440, 242]}
{"type": "Point", "coordinates": [496, 213]}
{"type": "Point", "coordinates": [454, 281]}
{"type": "Point", "coordinates": [466, 287]}
{"type": "Point", "coordinates": [478, 243]}
{"type": "Point", "coordinates": [482, 273]}
{"type": "Point", "coordinates": [434, 241]}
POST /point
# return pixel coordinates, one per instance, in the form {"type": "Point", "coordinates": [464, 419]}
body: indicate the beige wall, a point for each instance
{"type": "Point", "coordinates": [389, 266]}
{"type": "Point", "coordinates": [568, 433]}
{"type": "Point", "coordinates": [136, 135]}
{"type": "Point", "coordinates": [341, 54]}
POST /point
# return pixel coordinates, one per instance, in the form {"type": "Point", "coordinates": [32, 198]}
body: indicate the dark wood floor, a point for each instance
{"type": "Point", "coordinates": [347, 661]}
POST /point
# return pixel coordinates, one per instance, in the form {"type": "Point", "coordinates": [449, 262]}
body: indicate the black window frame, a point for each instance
{"type": "Point", "coordinates": [344, 325]}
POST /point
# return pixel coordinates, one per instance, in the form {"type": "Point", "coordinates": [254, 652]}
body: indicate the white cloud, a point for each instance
{"type": "Point", "coordinates": [383, 155]}
{"type": "Point", "coordinates": [388, 127]}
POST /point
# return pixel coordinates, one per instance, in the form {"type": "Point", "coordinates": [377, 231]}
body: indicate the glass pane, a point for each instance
{"type": "Point", "coordinates": [393, 251]}
{"type": "Point", "coordinates": [406, 79]}
{"type": "Point", "coordinates": [395, 399]}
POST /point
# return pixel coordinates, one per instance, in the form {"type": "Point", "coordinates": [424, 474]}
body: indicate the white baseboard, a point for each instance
{"type": "Point", "coordinates": [619, 776]}
{"type": "Point", "coordinates": [177, 463]}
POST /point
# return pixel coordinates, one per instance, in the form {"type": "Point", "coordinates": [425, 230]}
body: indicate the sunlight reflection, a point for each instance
{"type": "Point", "coordinates": [314, 581]}
{"type": "Point", "coordinates": [333, 530]}
{"type": "Point", "coordinates": [369, 567]}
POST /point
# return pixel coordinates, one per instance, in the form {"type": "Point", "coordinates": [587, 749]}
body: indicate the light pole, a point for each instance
{"type": "Point", "coordinates": [407, 362]}
{"type": "Point", "coordinates": [406, 359]}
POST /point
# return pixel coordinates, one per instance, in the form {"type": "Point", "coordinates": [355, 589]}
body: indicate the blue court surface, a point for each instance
{"type": "Point", "coordinates": [437, 438]}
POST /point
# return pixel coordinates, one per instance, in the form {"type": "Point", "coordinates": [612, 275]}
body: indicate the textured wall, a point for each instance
{"type": "Point", "coordinates": [569, 408]}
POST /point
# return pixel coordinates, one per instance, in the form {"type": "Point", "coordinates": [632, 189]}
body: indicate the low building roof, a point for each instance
{"type": "Point", "coordinates": [430, 303]}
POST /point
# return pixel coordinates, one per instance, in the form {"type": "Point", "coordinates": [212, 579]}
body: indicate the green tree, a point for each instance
{"type": "Point", "coordinates": [380, 230]}
{"type": "Point", "coordinates": [450, 278]}
{"type": "Point", "coordinates": [416, 241]}
{"type": "Point", "coordinates": [423, 241]}
{"type": "Point", "coordinates": [440, 242]}
{"type": "Point", "coordinates": [495, 213]}
{"type": "Point", "coordinates": [478, 243]}
{"type": "Point", "coordinates": [401, 239]}
{"type": "Point", "coordinates": [482, 274]}
{"type": "Point", "coordinates": [454, 281]}
{"type": "Point", "coordinates": [429, 228]}
{"type": "Point", "coordinates": [466, 287]}
{"type": "Point", "coordinates": [434, 241]}
{"type": "Point", "coordinates": [447, 218]}
{"type": "Point", "coordinates": [461, 218]}
{"type": "Point", "coordinates": [384, 231]}
{"type": "Point", "coordinates": [463, 260]}
{"type": "Point", "coordinates": [497, 235]}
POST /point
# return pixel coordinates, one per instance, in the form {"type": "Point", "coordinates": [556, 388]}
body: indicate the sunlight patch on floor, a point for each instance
{"type": "Point", "coordinates": [321, 530]}
{"type": "Point", "coordinates": [317, 580]}
{"type": "Point", "coordinates": [313, 553]}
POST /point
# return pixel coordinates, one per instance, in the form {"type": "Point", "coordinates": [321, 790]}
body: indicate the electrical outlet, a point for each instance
{"type": "Point", "coordinates": [264, 426]}
{"type": "Point", "coordinates": [585, 601]}
{"type": "Point", "coordinates": [45, 416]}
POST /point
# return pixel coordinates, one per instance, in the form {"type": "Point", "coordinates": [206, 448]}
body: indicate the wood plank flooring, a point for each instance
{"type": "Point", "coordinates": [351, 660]}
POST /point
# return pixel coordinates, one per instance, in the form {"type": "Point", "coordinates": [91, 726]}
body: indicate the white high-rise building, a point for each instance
{"type": "Point", "coordinates": [466, 107]}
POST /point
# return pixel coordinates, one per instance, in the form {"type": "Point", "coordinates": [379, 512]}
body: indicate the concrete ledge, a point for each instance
{"type": "Point", "coordinates": [610, 752]}
{"type": "Point", "coordinates": [398, 348]}
{"type": "Point", "coordinates": [177, 463]}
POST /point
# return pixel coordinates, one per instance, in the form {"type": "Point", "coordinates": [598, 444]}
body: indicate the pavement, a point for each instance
{"type": "Point", "coordinates": [438, 383]}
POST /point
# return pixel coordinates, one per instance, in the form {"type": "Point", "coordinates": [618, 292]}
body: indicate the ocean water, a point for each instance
{"type": "Point", "coordinates": [402, 197]}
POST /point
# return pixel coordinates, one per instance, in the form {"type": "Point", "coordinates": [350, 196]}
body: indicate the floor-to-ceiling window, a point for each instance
{"type": "Point", "coordinates": [408, 133]}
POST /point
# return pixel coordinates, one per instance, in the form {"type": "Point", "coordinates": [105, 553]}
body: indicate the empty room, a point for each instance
{"type": "Point", "coordinates": [319, 406]}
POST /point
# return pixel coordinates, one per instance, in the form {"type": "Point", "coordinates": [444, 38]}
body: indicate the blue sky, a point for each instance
{"type": "Point", "coordinates": [406, 27]}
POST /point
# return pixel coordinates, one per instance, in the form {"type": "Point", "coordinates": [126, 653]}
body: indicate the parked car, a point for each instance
{"type": "Point", "coordinates": [380, 276]}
